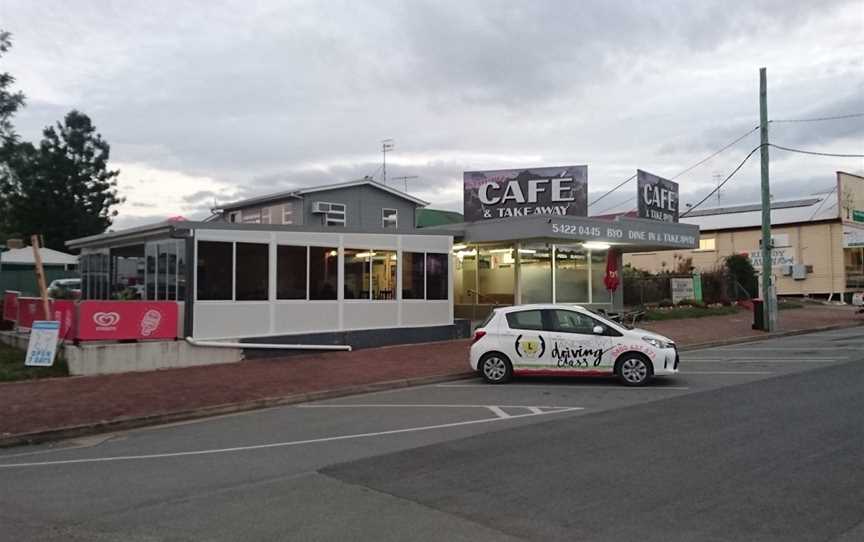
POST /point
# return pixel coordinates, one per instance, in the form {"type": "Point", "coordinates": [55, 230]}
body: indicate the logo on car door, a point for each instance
{"type": "Point", "coordinates": [530, 347]}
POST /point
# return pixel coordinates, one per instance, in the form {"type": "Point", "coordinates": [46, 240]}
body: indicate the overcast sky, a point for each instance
{"type": "Point", "coordinates": [211, 101]}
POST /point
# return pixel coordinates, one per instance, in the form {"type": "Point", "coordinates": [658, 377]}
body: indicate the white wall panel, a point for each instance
{"type": "Point", "coordinates": [305, 316]}
{"type": "Point", "coordinates": [426, 313]}
{"type": "Point", "coordinates": [231, 319]}
{"type": "Point", "coordinates": [370, 314]}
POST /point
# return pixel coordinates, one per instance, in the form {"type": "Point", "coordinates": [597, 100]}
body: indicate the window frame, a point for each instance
{"type": "Point", "coordinates": [276, 285]}
{"type": "Point", "coordinates": [395, 219]}
{"type": "Point", "coordinates": [340, 218]}
{"type": "Point", "coordinates": [514, 313]}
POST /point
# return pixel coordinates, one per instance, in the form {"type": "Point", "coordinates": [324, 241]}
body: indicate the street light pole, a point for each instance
{"type": "Point", "coordinates": [769, 298]}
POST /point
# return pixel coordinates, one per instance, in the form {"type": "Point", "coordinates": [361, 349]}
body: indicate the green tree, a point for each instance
{"type": "Point", "coordinates": [63, 189]}
{"type": "Point", "coordinates": [10, 103]}
{"type": "Point", "coordinates": [742, 271]}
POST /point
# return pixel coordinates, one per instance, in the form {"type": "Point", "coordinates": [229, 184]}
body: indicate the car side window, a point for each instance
{"type": "Point", "coordinates": [532, 320]}
{"type": "Point", "coordinates": [572, 322]}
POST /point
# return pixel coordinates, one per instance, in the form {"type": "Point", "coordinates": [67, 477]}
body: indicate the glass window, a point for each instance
{"type": "Point", "coordinates": [181, 271]}
{"type": "Point", "coordinates": [151, 252]}
{"type": "Point", "coordinates": [572, 322]}
{"type": "Point", "coordinates": [571, 275]}
{"type": "Point", "coordinates": [252, 216]}
{"type": "Point", "coordinates": [465, 271]}
{"type": "Point", "coordinates": [413, 273]}
{"type": "Point", "coordinates": [290, 272]}
{"type": "Point", "coordinates": [389, 218]}
{"type": "Point", "coordinates": [215, 270]}
{"type": "Point", "coordinates": [323, 273]}
{"type": "Point", "coordinates": [532, 320]}
{"type": "Point", "coordinates": [253, 276]}
{"type": "Point", "coordinates": [706, 244]}
{"type": "Point", "coordinates": [437, 277]}
{"type": "Point", "coordinates": [496, 276]}
{"type": "Point", "coordinates": [288, 213]}
{"type": "Point", "coordinates": [384, 264]}
{"type": "Point", "coordinates": [599, 293]}
{"type": "Point", "coordinates": [356, 276]}
{"type": "Point", "coordinates": [536, 273]}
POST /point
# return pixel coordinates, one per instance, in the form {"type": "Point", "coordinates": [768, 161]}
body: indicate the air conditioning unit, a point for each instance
{"type": "Point", "coordinates": [787, 270]}
{"type": "Point", "coordinates": [321, 207]}
{"type": "Point", "coordinates": [799, 271]}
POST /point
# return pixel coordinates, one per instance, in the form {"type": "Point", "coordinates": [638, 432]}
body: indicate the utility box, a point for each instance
{"type": "Point", "coordinates": [799, 271]}
{"type": "Point", "coordinates": [759, 314]}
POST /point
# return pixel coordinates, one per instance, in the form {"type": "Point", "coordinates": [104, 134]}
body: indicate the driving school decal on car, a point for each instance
{"type": "Point", "coordinates": [530, 347]}
{"type": "Point", "coordinates": [567, 354]}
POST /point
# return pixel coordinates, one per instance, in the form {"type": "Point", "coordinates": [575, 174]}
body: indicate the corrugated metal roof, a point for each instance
{"type": "Point", "coordinates": [792, 211]}
{"type": "Point", "coordinates": [24, 256]}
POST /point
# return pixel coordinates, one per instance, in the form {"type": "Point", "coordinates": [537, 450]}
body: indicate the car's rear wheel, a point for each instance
{"type": "Point", "coordinates": [634, 370]}
{"type": "Point", "coordinates": [495, 368]}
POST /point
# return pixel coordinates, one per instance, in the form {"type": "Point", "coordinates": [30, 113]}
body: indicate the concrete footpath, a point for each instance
{"type": "Point", "coordinates": [50, 409]}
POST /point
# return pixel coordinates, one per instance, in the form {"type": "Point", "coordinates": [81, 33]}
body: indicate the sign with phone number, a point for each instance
{"type": "Point", "coordinates": [623, 234]}
{"type": "Point", "coordinates": [43, 343]}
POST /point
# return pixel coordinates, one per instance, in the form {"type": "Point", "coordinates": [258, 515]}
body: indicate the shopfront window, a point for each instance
{"type": "Point", "coordinates": [854, 263]}
{"type": "Point", "coordinates": [384, 265]}
{"type": "Point", "coordinates": [536, 273]}
{"type": "Point", "coordinates": [151, 251]}
{"type": "Point", "coordinates": [323, 273]}
{"type": "Point", "coordinates": [437, 276]}
{"type": "Point", "coordinates": [127, 279]}
{"type": "Point", "coordinates": [252, 271]}
{"type": "Point", "coordinates": [356, 275]}
{"type": "Point", "coordinates": [571, 275]}
{"type": "Point", "coordinates": [496, 275]}
{"type": "Point", "coordinates": [215, 270]}
{"type": "Point", "coordinates": [413, 275]}
{"type": "Point", "coordinates": [291, 272]}
{"type": "Point", "coordinates": [465, 279]}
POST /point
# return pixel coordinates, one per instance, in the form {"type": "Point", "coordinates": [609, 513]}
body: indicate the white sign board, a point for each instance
{"type": "Point", "coordinates": [853, 237]}
{"type": "Point", "coordinates": [779, 257]}
{"type": "Point", "coordinates": [43, 343]}
{"type": "Point", "coordinates": [682, 289]}
{"type": "Point", "coordinates": [858, 299]}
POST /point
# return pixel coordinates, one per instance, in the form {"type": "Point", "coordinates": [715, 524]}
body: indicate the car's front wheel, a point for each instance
{"type": "Point", "coordinates": [634, 370]}
{"type": "Point", "coordinates": [495, 368]}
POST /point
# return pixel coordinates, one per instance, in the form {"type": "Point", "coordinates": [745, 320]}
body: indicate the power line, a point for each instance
{"type": "Point", "coordinates": [700, 162]}
{"type": "Point", "coordinates": [614, 189]}
{"type": "Point", "coordinates": [694, 166]}
{"type": "Point", "coordinates": [820, 119]}
{"type": "Point", "coordinates": [823, 202]}
{"type": "Point", "coordinates": [619, 204]}
{"type": "Point", "coordinates": [719, 186]}
{"type": "Point", "coordinates": [817, 153]}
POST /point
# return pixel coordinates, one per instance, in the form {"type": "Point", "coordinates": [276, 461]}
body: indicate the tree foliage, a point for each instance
{"type": "Point", "coordinates": [63, 189]}
{"type": "Point", "coordinates": [742, 271]}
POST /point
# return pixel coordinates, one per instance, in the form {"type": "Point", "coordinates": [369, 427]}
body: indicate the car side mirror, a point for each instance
{"type": "Point", "coordinates": [599, 330]}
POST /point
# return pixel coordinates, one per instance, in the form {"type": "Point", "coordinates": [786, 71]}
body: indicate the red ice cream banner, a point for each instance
{"type": "Point", "coordinates": [29, 309]}
{"type": "Point", "coordinates": [123, 320]}
{"type": "Point", "coordinates": [10, 305]}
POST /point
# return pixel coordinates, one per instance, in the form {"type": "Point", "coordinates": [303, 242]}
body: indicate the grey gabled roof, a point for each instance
{"type": "Point", "coordinates": [300, 192]}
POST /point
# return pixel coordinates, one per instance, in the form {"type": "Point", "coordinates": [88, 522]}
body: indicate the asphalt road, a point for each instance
{"type": "Point", "coordinates": [763, 441]}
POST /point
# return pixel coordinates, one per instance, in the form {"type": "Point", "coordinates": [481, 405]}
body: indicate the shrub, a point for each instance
{"type": "Point", "coordinates": [742, 271]}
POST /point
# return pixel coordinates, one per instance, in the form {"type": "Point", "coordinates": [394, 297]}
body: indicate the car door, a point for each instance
{"type": "Point", "coordinates": [574, 345]}
{"type": "Point", "coordinates": [526, 341]}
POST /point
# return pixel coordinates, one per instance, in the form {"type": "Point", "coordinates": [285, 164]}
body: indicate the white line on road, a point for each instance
{"type": "Point", "coordinates": [763, 360]}
{"type": "Point", "coordinates": [420, 405]}
{"type": "Point", "coordinates": [283, 444]}
{"type": "Point", "coordinates": [726, 372]}
{"type": "Point", "coordinates": [561, 386]}
{"type": "Point", "coordinates": [498, 412]}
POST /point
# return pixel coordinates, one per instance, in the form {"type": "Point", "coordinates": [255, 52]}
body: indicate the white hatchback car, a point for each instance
{"type": "Point", "coordinates": [557, 340]}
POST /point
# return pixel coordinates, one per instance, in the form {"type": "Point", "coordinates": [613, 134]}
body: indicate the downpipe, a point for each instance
{"type": "Point", "coordinates": [270, 346]}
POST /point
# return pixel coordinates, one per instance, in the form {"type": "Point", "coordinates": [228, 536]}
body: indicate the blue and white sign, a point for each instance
{"type": "Point", "coordinates": [43, 343]}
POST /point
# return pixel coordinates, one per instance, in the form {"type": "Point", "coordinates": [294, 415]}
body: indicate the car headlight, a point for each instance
{"type": "Point", "coordinates": [657, 343]}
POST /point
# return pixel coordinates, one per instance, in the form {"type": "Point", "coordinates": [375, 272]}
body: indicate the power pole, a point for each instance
{"type": "Point", "coordinates": [386, 146]}
{"type": "Point", "coordinates": [769, 297]}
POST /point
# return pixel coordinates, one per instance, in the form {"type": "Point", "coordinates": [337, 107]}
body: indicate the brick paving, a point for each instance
{"type": "Point", "coordinates": [41, 405]}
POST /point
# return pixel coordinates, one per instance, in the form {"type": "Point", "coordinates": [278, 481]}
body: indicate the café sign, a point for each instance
{"type": "Point", "coordinates": [525, 192]}
{"type": "Point", "coordinates": [658, 197]}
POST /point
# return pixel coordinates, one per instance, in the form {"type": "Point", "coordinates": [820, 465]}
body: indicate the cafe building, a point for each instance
{"type": "Point", "coordinates": [346, 263]}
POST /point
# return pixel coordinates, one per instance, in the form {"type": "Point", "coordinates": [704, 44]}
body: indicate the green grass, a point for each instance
{"type": "Point", "coordinates": [12, 366]}
{"type": "Point", "coordinates": [675, 313]}
{"type": "Point", "coordinates": [784, 304]}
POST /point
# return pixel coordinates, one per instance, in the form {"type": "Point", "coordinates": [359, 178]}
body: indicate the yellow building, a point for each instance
{"type": "Point", "coordinates": [818, 240]}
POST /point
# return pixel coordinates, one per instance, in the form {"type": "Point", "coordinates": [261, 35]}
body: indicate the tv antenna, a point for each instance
{"type": "Point", "coordinates": [387, 145]}
{"type": "Point", "coordinates": [718, 178]}
{"type": "Point", "coordinates": [405, 179]}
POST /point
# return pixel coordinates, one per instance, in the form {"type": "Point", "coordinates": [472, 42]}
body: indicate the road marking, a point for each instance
{"type": "Point", "coordinates": [563, 386]}
{"type": "Point", "coordinates": [498, 412]}
{"type": "Point", "coordinates": [558, 410]}
{"type": "Point", "coordinates": [792, 348]}
{"type": "Point", "coordinates": [424, 405]}
{"type": "Point", "coordinates": [726, 372]}
{"type": "Point", "coordinates": [754, 360]}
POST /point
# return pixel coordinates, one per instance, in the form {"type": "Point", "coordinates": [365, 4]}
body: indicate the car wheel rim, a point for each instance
{"type": "Point", "coordinates": [495, 369]}
{"type": "Point", "coordinates": [634, 370]}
